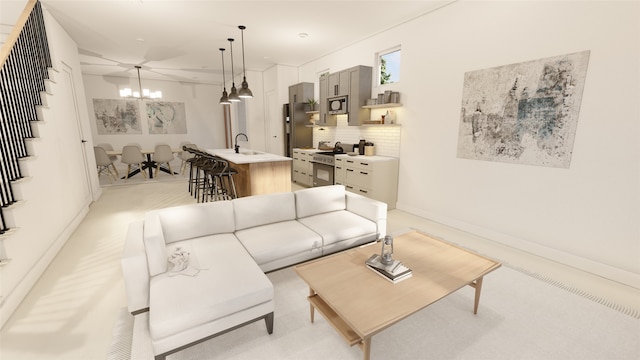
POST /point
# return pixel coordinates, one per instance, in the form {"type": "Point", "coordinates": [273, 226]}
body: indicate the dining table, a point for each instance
{"type": "Point", "coordinates": [147, 164]}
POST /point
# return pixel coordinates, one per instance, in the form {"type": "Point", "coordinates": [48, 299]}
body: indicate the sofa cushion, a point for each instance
{"type": "Point", "coordinates": [279, 240]}
{"type": "Point", "coordinates": [340, 225]}
{"type": "Point", "coordinates": [196, 220]}
{"type": "Point", "coordinates": [178, 223]}
{"type": "Point", "coordinates": [154, 245]}
{"type": "Point", "coordinates": [229, 281]}
{"type": "Point", "coordinates": [264, 209]}
{"type": "Point", "coordinates": [318, 200]}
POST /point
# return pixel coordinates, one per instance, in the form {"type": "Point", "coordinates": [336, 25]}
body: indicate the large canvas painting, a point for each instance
{"type": "Point", "coordinates": [117, 116]}
{"type": "Point", "coordinates": [524, 113]}
{"type": "Point", "coordinates": [166, 117]}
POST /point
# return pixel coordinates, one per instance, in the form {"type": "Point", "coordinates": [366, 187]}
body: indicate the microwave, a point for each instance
{"type": "Point", "coordinates": [337, 105]}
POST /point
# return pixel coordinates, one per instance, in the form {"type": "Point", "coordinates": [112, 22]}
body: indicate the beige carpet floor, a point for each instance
{"type": "Point", "coordinates": [519, 317]}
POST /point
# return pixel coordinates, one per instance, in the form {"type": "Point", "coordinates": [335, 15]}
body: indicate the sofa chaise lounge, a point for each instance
{"type": "Point", "coordinates": [200, 269]}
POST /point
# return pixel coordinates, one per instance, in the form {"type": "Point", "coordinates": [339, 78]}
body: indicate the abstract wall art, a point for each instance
{"type": "Point", "coordinates": [525, 113]}
{"type": "Point", "coordinates": [117, 116]}
{"type": "Point", "coordinates": [166, 117]}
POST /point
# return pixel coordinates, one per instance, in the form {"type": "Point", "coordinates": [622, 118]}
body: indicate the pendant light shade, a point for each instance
{"type": "Point", "coordinates": [244, 92]}
{"type": "Point", "coordinates": [224, 100]}
{"type": "Point", "coordinates": [233, 96]}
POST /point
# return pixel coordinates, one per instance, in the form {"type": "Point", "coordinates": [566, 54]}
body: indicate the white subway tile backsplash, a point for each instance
{"type": "Point", "coordinates": [386, 138]}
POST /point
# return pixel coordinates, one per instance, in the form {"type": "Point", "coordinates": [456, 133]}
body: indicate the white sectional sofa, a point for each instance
{"type": "Point", "coordinates": [230, 245]}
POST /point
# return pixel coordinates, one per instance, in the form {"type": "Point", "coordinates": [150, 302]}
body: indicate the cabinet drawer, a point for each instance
{"type": "Point", "coordinates": [298, 177]}
{"type": "Point", "coordinates": [358, 190]}
{"type": "Point", "coordinates": [359, 178]}
{"type": "Point", "coordinates": [358, 164]}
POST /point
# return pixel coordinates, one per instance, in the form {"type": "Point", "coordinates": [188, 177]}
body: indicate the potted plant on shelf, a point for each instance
{"type": "Point", "coordinates": [312, 104]}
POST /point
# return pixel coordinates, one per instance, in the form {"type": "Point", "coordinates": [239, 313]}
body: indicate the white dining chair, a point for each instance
{"type": "Point", "coordinates": [162, 154]}
{"type": "Point", "coordinates": [103, 162]}
{"type": "Point", "coordinates": [114, 158]}
{"type": "Point", "coordinates": [132, 156]}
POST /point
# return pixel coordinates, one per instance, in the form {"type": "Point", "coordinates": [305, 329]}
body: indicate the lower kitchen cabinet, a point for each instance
{"type": "Point", "coordinates": [302, 167]}
{"type": "Point", "coordinates": [372, 176]}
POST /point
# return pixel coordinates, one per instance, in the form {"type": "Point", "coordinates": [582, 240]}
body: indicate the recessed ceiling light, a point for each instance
{"type": "Point", "coordinates": [140, 39]}
{"type": "Point", "coordinates": [303, 35]}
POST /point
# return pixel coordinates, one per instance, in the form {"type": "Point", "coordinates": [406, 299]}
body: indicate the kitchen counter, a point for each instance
{"type": "Point", "coordinates": [258, 172]}
{"type": "Point", "coordinates": [246, 156]}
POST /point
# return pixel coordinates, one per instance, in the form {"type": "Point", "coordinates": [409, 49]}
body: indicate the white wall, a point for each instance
{"type": "Point", "coordinates": [585, 216]}
{"type": "Point", "coordinates": [205, 126]}
{"type": "Point", "coordinates": [59, 183]}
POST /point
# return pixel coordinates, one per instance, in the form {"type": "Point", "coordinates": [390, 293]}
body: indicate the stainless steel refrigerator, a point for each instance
{"type": "Point", "coordinates": [298, 132]}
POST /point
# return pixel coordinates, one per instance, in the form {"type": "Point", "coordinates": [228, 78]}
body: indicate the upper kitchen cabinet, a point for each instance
{"type": "Point", "coordinates": [355, 84]}
{"type": "Point", "coordinates": [324, 118]}
{"type": "Point", "coordinates": [339, 83]}
{"type": "Point", "coordinates": [359, 92]}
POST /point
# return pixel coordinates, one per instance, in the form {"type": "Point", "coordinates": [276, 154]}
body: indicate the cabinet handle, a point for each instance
{"type": "Point", "coordinates": [338, 167]}
{"type": "Point", "coordinates": [349, 169]}
{"type": "Point", "coordinates": [350, 161]}
{"type": "Point", "coordinates": [349, 187]}
{"type": "Point", "coordinates": [365, 164]}
{"type": "Point", "coordinates": [363, 191]}
{"type": "Point", "coordinates": [364, 173]}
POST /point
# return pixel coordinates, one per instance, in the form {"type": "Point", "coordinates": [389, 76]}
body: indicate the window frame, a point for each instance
{"type": "Point", "coordinates": [378, 63]}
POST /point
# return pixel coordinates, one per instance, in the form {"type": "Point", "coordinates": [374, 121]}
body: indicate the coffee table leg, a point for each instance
{"type": "Point", "coordinates": [366, 348]}
{"type": "Point", "coordinates": [311, 308]}
{"type": "Point", "coordinates": [478, 287]}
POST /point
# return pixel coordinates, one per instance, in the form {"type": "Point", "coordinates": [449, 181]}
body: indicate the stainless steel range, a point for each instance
{"type": "Point", "coordinates": [323, 168]}
{"type": "Point", "coordinates": [323, 165]}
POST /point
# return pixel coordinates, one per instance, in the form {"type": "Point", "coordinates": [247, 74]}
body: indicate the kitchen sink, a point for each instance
{"type": "Point", "coordinates": [250, 153]}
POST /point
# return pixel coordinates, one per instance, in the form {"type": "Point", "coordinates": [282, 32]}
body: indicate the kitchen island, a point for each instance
{"type": "Point", "coordinates": [258, 172]}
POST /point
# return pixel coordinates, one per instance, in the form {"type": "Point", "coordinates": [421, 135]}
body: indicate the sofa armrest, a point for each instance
{"type": "Point", "coordinates": [135, 270]}
{"type": "Point", "coordinates": [368, 208]}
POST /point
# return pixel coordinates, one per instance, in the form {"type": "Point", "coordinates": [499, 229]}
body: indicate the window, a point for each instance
{"type": "Point", "coordinates": [388, 63]}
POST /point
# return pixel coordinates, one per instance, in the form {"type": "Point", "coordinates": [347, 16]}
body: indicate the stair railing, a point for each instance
{"type": "Point", "coordinates": [24, 64]}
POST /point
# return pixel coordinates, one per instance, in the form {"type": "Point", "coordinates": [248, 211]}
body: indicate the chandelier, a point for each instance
{"type": "Point", "coordinates": [143, 93]}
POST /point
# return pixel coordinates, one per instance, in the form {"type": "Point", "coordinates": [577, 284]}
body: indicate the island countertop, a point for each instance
{"type": "Point", "coordinates": [247, 156]}
{"type": "Point", "coordinates": [257, 172]}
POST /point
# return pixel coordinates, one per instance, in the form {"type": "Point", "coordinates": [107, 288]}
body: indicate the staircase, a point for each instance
{"type": "Point", "coordinates": [24, 75]}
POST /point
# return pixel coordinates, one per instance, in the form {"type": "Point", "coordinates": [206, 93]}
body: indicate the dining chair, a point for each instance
{"type": "Point", "coordinates": [114, 158]}
{"type": "Point", "coordinates": [132, 156]}
{"type": "Point", "coordinates": [162, 154]}
{"type": "Point", "coordinates": [103, 162]}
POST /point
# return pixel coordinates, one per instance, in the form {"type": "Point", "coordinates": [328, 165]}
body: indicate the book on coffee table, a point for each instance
{"type": "Point", "coordinates": [394, 272]}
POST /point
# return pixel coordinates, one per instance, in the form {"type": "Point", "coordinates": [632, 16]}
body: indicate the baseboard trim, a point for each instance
{"type": "Point", "coordinates": [609, 272]}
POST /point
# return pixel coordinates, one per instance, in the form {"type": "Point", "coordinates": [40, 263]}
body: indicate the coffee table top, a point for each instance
{"type": "Point", "coordinates": [368, 303]}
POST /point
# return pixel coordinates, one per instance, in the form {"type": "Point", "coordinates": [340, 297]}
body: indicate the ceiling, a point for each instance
{"type": "Point", "coordinates": [180, 40]}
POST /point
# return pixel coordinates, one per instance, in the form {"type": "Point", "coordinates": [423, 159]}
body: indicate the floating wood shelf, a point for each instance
{"type": "Point", "coordinates": [382, 106]}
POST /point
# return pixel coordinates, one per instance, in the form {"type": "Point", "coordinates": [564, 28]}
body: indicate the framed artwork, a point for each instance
{"type": "Point", "coordinates": [525, 113]}
{"type": "Point", "coordinates": [117, 116]}
{"type": "Point", "coordinates": [165, 117]}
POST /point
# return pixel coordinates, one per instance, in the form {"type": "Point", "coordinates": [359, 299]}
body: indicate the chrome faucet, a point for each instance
{"type": "Point", "coordinates": [236, 146]}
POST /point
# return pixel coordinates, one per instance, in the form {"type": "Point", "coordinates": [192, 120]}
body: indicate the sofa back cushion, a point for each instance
{"type": "Point", "coordinates": [319, 200]}
{"type": "Point", "coordinates": [196, 220]}
{"type": "Point", "coordinates": [264, 209]}
{"type": "Point", "coordinates": [165, 226]}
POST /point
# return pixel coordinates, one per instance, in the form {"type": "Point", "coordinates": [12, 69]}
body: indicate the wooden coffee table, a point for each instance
{"type": "Point", "coordinates": [359, 304]}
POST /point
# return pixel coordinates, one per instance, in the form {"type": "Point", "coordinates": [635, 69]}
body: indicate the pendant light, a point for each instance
{"type": "Point", "coordinates": [224, 100]}
{"type": "Point", "coordinates": [233, 96]}
{"type": "Point", "coordinates": [143, 93]}
{"type": "Point", "coordinates": [244, 92]}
